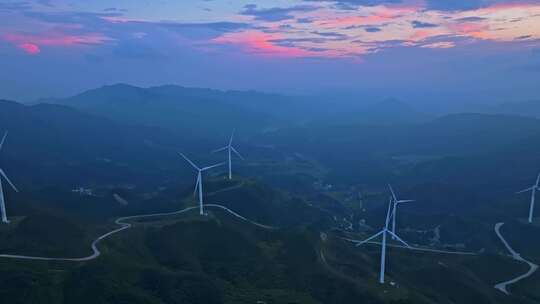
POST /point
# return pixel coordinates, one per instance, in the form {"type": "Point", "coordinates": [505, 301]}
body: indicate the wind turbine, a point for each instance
{"type": "Point", "coordinates": [384, 232]}
{"type": "Point", "coordinates": [230, 149]}
{"type": "Point", "coordinates": [199, 183]}
{"type": "Point", "coordinates": [533, 194]}
{"type": "Point", "coordinates": [3, 174]}
{"type": "Point", "coordinates": [396, 202]}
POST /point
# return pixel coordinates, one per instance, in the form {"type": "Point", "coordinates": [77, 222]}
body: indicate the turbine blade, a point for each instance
{"type": "Point", "coordinates": [370, 238]}
{"type": "Point", "coordinates": [405, 201]}
{"type": "Point", "coordinates": [189, 161]}
{"type": "Point", "coordinates": [210, 167]}
{"type": "Point", "coordinates": [525, 190]}
{"type": "Point", "coordinates": [393, 193]}
{"type": "Point", "coordinates": [237, 153]}
{"type": "Point", "coordinates": [537, 179]}
{"type": "Point", "coordinates": [232, 136]}
{"type": "Point", "coordinates": [388, 213]}
{"type": "Point", "coordinates": [7, 179]}
{"type": "Point", "coordinates": [3, 139]}
{"type": "Point", "coordinates": [399, 239]}
{"type": "Point", "coordinates": [220, 149]}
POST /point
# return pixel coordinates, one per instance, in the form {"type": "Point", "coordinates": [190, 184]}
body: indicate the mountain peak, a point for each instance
{"type": "Point", "coordinates": [394, 104]}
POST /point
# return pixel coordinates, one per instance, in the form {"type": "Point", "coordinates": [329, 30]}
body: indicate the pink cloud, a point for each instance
{"type": "Point", "coordinates": [475, 30]}
{"type": "Point", "coordinates": [29, 48]}
{"type": "Point", "coordinates": [382, 15]}
{"type": "Point", "coordinates": [352, 21]}
{"type": "Point", "coordinates": [439, 45]}
{"type": "Point", "coordinates": [501, 22]}
{"type": "Point", "coordinates": [420, 35]}
{"type": "Point", "coordinates": [260, 43]}
{"type": "Point", "coordinates": [58, 39]}
{"type": "Point", "coordinates": [31, 43]}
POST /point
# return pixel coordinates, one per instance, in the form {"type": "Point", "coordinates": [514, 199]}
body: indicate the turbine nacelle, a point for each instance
{"type": "Point", "coordinates": [394, 197]}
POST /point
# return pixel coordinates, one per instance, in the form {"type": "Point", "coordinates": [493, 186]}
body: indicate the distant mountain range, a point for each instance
{"type": "Point", "coordinates": [207, 112]}
{"type": "Point", "coordinates": [186, 111]}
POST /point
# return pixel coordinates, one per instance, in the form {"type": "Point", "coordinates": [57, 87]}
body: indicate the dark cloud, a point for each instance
{"type": "Point", "coordinates": [192, 31]}
{"type": "Point", "coordinates": [222, 27]}
{"type": "Point", "coordinates": [315, 49]}
{"type": "Point", "coordinates": [276, 13]}
{"type": "Point", "coordinates": [420, 24]}
{"type": "Point", "coordinates": [114, 9]}
{"type": "Point", "coordinates": [471, 19]}
{"type": "Point", "coordinates": [372, 29]}
{"type": "Point", "coordinates": [454, 5]}
{"type": "Point", "coordinates": [304, 20]}
{"type": "Point", "coordinates": [345, 6]}
{"type": "Point", "coordinates": [46, 3]}
{"type": "Point", "coordinates": [447, 38]}
{"type": "Point", "coordinates": [332, 35]}
{"type": "Point", "coordinates": [15, 6]}
{"type": "Point", "coordinates": [98, 22]}
{"type": "Point", "coordinates": [84, 18]}
{"type": "Point", "coordinates": [462, 5]}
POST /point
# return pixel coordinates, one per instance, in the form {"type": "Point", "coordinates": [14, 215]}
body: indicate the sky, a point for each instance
{"type": "Point", "coordinates": [452, 50]}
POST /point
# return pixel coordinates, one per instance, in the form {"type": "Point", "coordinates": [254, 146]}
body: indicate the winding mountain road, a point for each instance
{"type": "Point", "coordinates": [124, 224]}
{"type": "Point", "coordinates": [121, 221]}
{"type": "Point", "coordinates": [516, 256]}
{"type": "Point", "coordinates": [415, 248]}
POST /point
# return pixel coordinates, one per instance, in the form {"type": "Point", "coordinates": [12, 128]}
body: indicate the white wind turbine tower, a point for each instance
{"type": "Point", "coordinates": [384, 233]}
{"type": "Point", "coordinates": [230, 149]}
{"type": "Point", "coordinates": [3, 174]}
{"type": "Point", "coordinates": [395, 203]}
{"type": "Point", "coordinates": [533, 194]}
{"type": "Point", "coordinates": [199, 183]}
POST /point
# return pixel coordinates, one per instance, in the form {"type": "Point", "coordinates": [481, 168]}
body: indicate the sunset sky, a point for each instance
{"type": "Point", "coordinates": [453, 49]}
